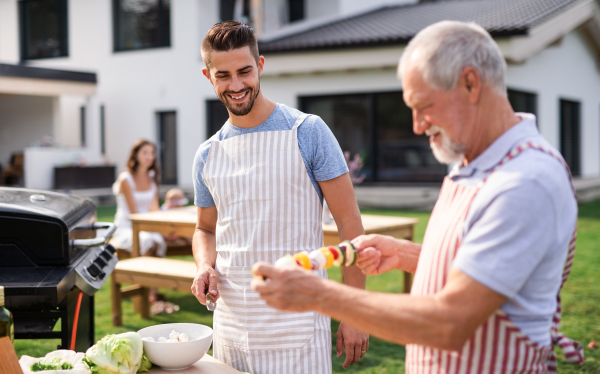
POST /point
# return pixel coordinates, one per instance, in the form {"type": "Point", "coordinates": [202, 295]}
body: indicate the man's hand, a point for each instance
{"type": "Point", "coordinates": [377, 253]}
{"type": "Point", "coordinates": [287, 288]}
{"type": "Point", "coordinates": [354, 341]}
{"type": "Point", "coordinates": [206, 280]}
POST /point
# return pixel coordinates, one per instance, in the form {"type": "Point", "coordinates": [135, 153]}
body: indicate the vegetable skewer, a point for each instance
{"type": "Point", "coordinates": [322, 258]}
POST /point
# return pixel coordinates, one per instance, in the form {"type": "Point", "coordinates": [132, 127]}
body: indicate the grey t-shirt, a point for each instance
{"type": "Point", "coordinates": [321, 153]}
{"type": "Point", "coordinates": [518, 228]}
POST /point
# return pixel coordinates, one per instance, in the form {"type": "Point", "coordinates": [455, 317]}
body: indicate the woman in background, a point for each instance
{"type": "Point", "coordinates": [136, 190]}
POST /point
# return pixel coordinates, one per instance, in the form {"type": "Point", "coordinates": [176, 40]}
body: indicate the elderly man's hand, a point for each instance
{"type": "Point", "coordinates": [287, 288]}
{"type": "Point", "coordinates": [377, 254]}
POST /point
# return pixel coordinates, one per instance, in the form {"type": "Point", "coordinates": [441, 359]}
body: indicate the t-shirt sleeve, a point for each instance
{"type": "Point", "coordinates": [202, 196]}
{"type": "Point", "coordinates": [509, 239]}
{"type": "Point", "coordinates": [326, 159]}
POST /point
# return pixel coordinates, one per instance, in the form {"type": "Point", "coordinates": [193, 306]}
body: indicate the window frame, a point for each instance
{"type": "Point", "coordinates": [532, 93]}
{"type": "Point", "coordinates": [23, 32]}
{"type": "Point", "coordinates": [373, 128]}
{"type": "Point", "coordinates": [574, 164]}
{"type": "Point", "coordinates": [115, 30]}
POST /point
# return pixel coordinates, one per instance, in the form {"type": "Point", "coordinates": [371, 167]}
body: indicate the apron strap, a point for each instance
{"type": "Point", "coordinates": [572, 350]}
{"type": "Point", "coordinates": [299, 120]}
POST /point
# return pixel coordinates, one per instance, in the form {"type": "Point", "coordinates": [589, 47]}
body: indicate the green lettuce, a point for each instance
{"type": "Point", "coordinates": [146, 364]}
{"type": "Point", "coordinates": [51, 363]}
{"type": "Point", "coordinates": [117, 354]}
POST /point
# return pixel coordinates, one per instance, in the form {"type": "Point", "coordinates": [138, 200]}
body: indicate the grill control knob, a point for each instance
{"type": "Point", "coordinates": [94, 270]}
{"type": "Point", "coordinates": [111, 249]}
{"type": "Point", "coordinates": [102, 275]}
{"type": "Point", "coordinates": [99, 261]}
{"type": "Point", "coordinates": [105, 254]}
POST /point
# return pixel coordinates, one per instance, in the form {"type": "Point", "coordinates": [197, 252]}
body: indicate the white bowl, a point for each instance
{"type": "Point", "coordinates": [173, 356]}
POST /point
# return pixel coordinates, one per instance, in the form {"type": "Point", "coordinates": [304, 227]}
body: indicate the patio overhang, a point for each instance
{"type": "Point", "coordinates": [27, 80]}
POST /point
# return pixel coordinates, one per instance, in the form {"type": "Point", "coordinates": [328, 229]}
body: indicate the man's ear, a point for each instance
{"type": "Point", "coordinates": [472, 83]}
{"type": "Point", "coordinates": [206, 73]}
{"type": "Point", "coordinates": [261, 65]}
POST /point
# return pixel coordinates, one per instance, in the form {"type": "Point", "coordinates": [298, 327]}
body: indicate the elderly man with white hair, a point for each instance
{"type": "Point", "coordinates": [499, 243]}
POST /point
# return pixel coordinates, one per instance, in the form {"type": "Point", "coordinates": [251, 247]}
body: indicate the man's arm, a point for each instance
{"type": "Point", "coordinates": [205, 254]}
{"type": "Point", "coordinates": [339, 194]}
{"type": "Point", "coordinates": [444, 320]}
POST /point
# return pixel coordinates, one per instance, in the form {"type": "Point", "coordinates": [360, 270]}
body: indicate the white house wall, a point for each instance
{"type": "Point", "coordinates": [134, 85]}
{"type": "Point", "coordinates": [9, 31]}
{"type": "Point", "coordinates": [567, 70]}
{"type": "Point", "coordinates": [24, 120]}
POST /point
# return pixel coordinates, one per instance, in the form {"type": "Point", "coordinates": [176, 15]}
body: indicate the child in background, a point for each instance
{"type": "Point", "coordinates": [175, 198]}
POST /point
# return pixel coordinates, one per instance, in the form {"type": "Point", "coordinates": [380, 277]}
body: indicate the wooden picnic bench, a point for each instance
{"type": "Point", "coordinates": [143, 273]}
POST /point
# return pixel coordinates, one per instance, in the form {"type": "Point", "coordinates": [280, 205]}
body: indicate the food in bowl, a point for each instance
{"type": "Point", "coordinates": [181, 353]}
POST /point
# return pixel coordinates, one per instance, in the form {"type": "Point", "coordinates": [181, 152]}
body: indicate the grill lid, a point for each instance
{"type": "Point", "coordinates": [36, 227]}
{"type": "Point", "coordinates": [67, 208]}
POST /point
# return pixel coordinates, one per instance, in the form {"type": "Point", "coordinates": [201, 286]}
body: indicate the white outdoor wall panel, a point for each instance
{"type": "Point", "coordinates": [24, 120]}
{"type": "Point", "coordinates": [567, 70]}
{"type": "Point", "coordinates": [9, 31]}
{"type": "Point", "coordinates": [69, 120]}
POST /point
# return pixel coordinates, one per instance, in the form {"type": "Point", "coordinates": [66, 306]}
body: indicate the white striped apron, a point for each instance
{"type": "Point", "coordinates": [267, 208]}
{"type": "Point", "coordinates": [497, 346]}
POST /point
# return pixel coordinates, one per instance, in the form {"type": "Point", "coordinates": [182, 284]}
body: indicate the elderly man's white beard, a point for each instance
{"type": "Point", "coordinates": [448, 152]}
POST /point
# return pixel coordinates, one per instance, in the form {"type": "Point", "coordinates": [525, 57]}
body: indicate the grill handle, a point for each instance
{"type": "Point", "coordinates": [98, 240]}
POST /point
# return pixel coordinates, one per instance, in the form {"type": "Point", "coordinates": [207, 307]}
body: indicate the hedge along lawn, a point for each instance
{"type": "Point", "coordinates": [581, 298]}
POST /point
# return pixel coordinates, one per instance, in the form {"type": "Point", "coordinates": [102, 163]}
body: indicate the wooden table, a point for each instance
{"type": "Point", "coordinates": [206, 365]}
{"type": "Point", "coordinates": [182, 222]}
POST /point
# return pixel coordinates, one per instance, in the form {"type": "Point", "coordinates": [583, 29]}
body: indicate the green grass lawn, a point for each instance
{"type": "Point", "coordinates": [581, 297]}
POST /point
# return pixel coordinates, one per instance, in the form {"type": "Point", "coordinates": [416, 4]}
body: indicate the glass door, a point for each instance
{"type": "Point", "coordinates": [167, 129]}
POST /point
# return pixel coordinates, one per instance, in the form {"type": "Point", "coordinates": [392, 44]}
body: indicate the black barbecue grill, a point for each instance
{"type": "Point", "coordinates": [49, 255]}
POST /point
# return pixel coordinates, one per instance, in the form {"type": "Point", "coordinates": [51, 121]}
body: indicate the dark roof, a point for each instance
{"type": "Point", "coordinates": [398, 24]}
{"type": "Point", "coordinates": [43, 73]}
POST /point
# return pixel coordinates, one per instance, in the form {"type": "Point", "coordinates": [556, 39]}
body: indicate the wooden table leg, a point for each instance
{"type": "Point", "coordinates": [115, 297]}
{"type": "Point", "coordinates": [407, 282]}
{"type": "Point", "coordinates": [145, 303]}
{"type": "Point", "coordinates": [408, 277]}
{"type": "Point", "coordinates": [135, 245]}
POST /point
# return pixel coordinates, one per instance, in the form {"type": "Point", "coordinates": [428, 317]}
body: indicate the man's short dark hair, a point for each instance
{"type": "Point", "coordinates": [228, 35]}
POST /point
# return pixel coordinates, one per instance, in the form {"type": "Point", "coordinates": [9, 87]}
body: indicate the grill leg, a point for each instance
{"type": "Point", "coordinates": [115, 296]}
{"type": "Point", "coordinates": [92, 332]}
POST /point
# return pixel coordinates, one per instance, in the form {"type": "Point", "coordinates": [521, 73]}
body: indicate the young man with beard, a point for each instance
{"type": "Point", "coordinates": [259, 187]}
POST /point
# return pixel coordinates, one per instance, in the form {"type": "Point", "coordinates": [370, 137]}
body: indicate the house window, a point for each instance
{"type": "Point", "coordinates": [234, 10]}
{"type": "Point", "coordinates": [167, 129]}
{"type": "Point", "coordinates": [141, 24]}
{"type": "Point", "coordinates": [296, 10]}
{"type": "Point", "coordinates": [570, 134]}
{"type": "Point", "coordinates": [43, 29]}
{"type": "Point", "coordinates": [378, 127]}
{"type": "Point", "coordinates": [216, 116]}
{"type": "Point", "coordinates": [523, 101]}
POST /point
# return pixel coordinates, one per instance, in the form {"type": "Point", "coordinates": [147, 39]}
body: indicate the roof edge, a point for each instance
{"type": "Point", "coordinates": [363, 44]}
{"type": "Point", "coordinates": [23, 71]}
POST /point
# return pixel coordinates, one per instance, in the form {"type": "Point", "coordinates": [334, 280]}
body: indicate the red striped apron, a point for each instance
{"type": "Point", "coordinates": [497, 346]}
